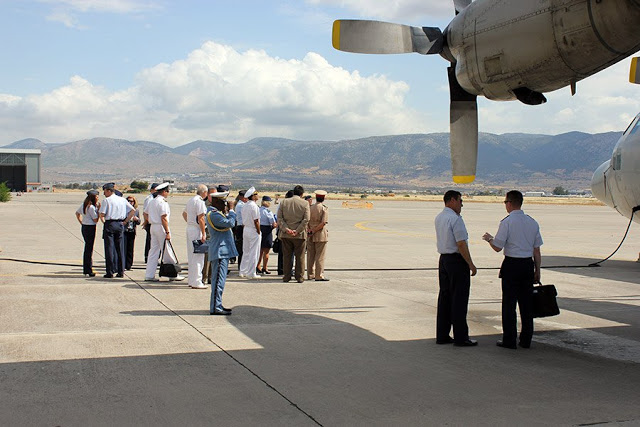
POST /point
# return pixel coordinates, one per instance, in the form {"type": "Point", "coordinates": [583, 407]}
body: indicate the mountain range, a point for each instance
{"type": "Point", "coordinates": [416, 161]}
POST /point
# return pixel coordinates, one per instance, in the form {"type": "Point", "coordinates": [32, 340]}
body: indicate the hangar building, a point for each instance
{"type": "Point", "coordinates": [20, 169]}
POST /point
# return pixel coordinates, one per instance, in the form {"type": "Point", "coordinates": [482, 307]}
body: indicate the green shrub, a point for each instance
{"type": "Point", "coordinates": [5, 194]}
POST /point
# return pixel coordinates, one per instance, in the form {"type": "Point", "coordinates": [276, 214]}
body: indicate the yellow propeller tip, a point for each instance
{"type": "Point", "coordinates": [464, 179]}
{"type": "Point", "coordinates": [335, 39]}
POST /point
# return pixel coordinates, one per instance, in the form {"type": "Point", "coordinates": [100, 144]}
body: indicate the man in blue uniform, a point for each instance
{"type": "Point", "coordinates": [221, 219]}
{"type": "Point", "coordinates": [519, 235]}
{"type": "Point", "coordinates": [115, 212]}
{"type": "Point", "coordinates": [455, 269]}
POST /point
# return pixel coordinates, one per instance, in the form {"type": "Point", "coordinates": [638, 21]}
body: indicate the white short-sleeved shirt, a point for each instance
{"type": "Point", "coordinates": [250, 212]}
{"type": "Point", "coordinates": [115, 208]}
{"type": "Point", "coordinates": [239, 207]}
{"type": "Point", "coordinates": [158, 207]}
{"type": "Point", "coordinates": [195, 206]}
{"type": "Point", "coordinates": [450, 229]}
{"type": "Point", "coordinates": [145, 205]}
{"type": "Point", "coordinates": [88, 217]}
{"type": "Point", "coordinates": [518, 234]}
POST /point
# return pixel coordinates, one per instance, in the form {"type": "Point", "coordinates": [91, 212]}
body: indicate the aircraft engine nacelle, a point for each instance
{"type": "Point", "coordinates": [505, 49]}
{"type": "Point", "coordinates": [615, 182]}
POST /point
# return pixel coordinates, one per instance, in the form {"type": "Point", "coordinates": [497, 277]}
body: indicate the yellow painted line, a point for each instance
{"type": "Point", "coordinates": [363, 226]}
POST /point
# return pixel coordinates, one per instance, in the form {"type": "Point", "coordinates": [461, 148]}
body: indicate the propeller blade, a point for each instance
{"type": "Point", "coordinates": [383, 37]}
{"type": "Point", "coordinates": [460, 5]}
{"type": "Point", "coordinates": [463, 137]}
{"type": "Point", "coordinates": [634, 71]}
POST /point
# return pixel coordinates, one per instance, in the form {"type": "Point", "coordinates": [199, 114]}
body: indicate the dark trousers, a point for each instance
{"type": "Point", "coordinates": [517, 288]}
{"type": "Point", "coordinates": [147, 242]}
{"type": "Point", "coordinates": [455, 281]}
{"type": "Point", "coordinates": [291, 248]}
{"type": "Point", "coordinates": [89, 236]}
{"type": "Point", "coordinates": [114, 247]}
{"type": "Point", "coordinates": [129, 241]}
{"type": "Point", "coordinates": [237, 235]}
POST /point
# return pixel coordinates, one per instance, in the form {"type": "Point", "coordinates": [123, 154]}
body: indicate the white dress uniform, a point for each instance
{"type": "Point", "coordinates": [250, 240]}
{"type": "Point", "coordinates": [156, 209]}
{"type": "Point", "coordinates": [195, 206]}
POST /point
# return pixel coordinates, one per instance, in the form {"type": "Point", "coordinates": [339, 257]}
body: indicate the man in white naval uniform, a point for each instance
{"type": "Point", "coordinates": [193, 214]}
{"type": "Point", "coordinates": [159, 217]}
{"type": "Point", "coordinates": [250, 236]}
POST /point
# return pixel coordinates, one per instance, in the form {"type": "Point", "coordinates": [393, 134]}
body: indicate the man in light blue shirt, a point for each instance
{"type": "Point", "coordinates": [519, 235]}
{"type": "Point", "coordinates": [115, 212]}
{"type": "Point", "coordinates": [455, 269]}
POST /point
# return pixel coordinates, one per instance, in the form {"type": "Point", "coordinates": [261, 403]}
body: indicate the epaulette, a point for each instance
{"type": "Point", "coordinates": [504, 218]}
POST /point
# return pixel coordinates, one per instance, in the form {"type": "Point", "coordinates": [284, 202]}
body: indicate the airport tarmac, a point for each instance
{"type": "Point", "coordinates": [357, 350]}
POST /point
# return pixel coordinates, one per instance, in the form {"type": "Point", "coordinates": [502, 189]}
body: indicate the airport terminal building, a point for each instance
{"type": "Point", "coordinates": [20, 169]}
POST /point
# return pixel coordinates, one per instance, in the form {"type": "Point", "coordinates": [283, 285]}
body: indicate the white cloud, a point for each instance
{"type": "Point", "coordinates": [603, 102]}
{"type": "Point", "coordinates": [396, 10]}
{"type": "Point", "coordinates": [218, 93]}
{"type": "Point", "coordinates": [110, 6]}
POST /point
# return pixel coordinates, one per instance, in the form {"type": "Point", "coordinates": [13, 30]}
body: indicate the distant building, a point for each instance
{"type": "Point", "coordinates": [534, 194]}
{"type": "Point", "coordinates": [20, 169]}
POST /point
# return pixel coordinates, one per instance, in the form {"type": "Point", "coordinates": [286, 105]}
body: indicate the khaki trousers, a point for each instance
{"type": "Point", "coordinates": [315, 259]}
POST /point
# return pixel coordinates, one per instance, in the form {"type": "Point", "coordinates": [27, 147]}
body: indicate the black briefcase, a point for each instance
{"type": "Point", "coordinates": [168, 270]}
{"type": "Point", "coordinates": [544, 301]}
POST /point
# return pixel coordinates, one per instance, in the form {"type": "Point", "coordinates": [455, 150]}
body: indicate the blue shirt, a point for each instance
{"type": "Point", "coordinates": [450, 229]}
{"type": "Point", "coordinates": [266, 216]}
{"type": "Point", "coordinates": [115, 208]}
{"type": "Point", "coordinates": [518, 234]}
{"type": "Point", "coordinates": [238, 210]}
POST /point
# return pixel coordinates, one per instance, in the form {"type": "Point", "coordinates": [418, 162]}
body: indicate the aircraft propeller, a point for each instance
{"type": "Point", "coordinates": [375, 37]}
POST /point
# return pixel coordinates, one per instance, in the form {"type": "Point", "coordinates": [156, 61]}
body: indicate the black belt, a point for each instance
{"type": "Point", "coordinates": [453, 254]}
{"type": "Point", "coordinates": [115, 220]}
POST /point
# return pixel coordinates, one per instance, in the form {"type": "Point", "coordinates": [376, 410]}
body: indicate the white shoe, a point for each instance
{"type": "Point", "coordinates": [243, 276]}
{"type": "Point", "coordinates": [178, 278]}
{"type": "Point", "coordinates": [199, 286]}
{"type": "Point", "coordinates": [151, 279]}
{"type": "Point", "coordinates": [255, 276]}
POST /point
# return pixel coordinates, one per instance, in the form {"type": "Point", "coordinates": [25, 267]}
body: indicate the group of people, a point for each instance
{"type": "Point", "coordinates": [120, 217]}
{"type": "Point", "coordinates": [519, 237]}
{"type": "Point", "coordinates": [232, 230]}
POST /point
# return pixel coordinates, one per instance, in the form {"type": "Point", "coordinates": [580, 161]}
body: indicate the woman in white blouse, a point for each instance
{"type": "Point", "coordinates": [87, 215]}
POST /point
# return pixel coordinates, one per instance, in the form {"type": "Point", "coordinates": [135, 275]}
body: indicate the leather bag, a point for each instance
{"type": "Point", "coordinates": [277, 246]}
{"type": "Point", "coordinates": [167, 269]}
{"type": "Point", "coordinates": [199, 247]}
{"type": "Point", "coordinates": [544, 301]}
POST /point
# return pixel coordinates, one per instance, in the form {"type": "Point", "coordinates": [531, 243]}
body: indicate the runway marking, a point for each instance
{"type": "Point", "coordinates": [363, 226]}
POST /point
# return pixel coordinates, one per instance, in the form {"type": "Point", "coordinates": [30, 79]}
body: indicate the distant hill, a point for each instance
{"type": "Point", "coordinates": [27, 144]}
{"type": "Point", "coordinates": [394, 161]}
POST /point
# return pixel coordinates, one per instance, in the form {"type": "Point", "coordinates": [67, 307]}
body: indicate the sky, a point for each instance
{"type": "Point", "coordinates": [178, 71]}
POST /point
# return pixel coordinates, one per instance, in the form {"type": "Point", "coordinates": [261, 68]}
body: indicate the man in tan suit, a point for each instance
{"type": "Point", "coordinates": [293, 217]}
{"type": "Point", "coordinates": [317, 238]}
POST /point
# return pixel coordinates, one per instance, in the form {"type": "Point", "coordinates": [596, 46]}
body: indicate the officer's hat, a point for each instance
{"type": "Point", "coordinates": [162, 186]}
{"type": "Point", "coordinates": [109, 186]}
{"type": "Point", "coordinates": [222, 191]}
{"type": "Point", "coordinates": [93, 193]}
{"type": "Point", "coordinates": [320, 193]}
{"type": "Point", "coordinates": [249, 192]}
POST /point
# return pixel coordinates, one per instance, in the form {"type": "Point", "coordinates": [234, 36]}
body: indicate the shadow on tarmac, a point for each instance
{"type": "Point", "coordinates": [336, 372]}
{"type": "Point", "coordinates": [626, 271]}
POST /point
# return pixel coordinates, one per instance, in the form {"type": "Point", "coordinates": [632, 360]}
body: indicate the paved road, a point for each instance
{"type": "Point", "coordinates": [358, 350]}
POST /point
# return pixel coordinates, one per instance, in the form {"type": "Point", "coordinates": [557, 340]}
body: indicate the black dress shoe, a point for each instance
{"type": "Point", "coordinates": [227, 309]}
{"type": "Point", "coordinates": [221, 313]}
{"type": "Point", "coordinates": [447, 340]}
{"type": "Point", "coordinates": [467, 343]}
{"type": "Point", "coordinates": [501, 343]}
{"type": "Point", "coordinates": [108, 276]}
{"type": "Point", "coordinates": [322, 279]}
{"type": "Point", "coordinates": [524, 345]}
{"type": "Point", "coordinates": [91, 274]}
{"type": "Point", "coordinates": [119, 275]}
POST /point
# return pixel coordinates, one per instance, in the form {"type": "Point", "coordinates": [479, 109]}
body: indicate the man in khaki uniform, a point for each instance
{"type": "Point", "coordinates": [317, 238]}
{"type": "Point", "coordinates": [293, 217]}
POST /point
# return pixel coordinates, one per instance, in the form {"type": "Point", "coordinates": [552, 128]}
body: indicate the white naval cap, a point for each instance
{"type": "Point", "coordinates": [162, 186]}
{"type": "Point", "coordinates": [249, 192]}
{"type": "Point", "coordinates": [320, 193]}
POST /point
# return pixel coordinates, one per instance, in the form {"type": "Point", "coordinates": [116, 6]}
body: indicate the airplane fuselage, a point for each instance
{"type": "Point", "coordinates": [617, 181]}
{"type": "Point", "coordinates": [541, 45]}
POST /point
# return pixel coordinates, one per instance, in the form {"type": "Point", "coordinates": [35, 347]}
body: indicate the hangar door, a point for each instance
{"type": "Point", "coordinates": [14, 176]}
